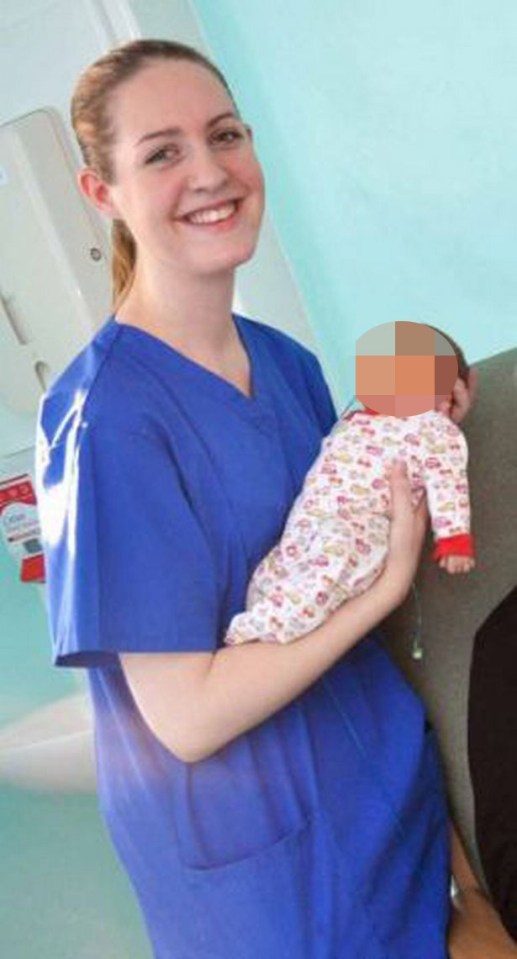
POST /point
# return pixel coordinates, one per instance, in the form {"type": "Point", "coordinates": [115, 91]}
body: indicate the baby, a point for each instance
{"type": "Point", "coordinates": [335, 540]}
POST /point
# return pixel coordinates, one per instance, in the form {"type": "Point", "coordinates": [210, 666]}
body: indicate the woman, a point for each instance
{"type": "Point", "coordinates": [265, 800]}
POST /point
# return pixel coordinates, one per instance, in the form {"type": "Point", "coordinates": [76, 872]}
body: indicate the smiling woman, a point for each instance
{"type": "Point", "coordinates": [181, 173]}
{"type": "Point", "coordinates": [200, 172]}
{"type": "Point", "coordinates": [251, 792]}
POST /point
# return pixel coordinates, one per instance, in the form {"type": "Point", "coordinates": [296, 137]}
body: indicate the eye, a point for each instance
{"type": "Point", "coordinates": [166, 154]}
{"type": "Point", "coordinates": [228, 136]}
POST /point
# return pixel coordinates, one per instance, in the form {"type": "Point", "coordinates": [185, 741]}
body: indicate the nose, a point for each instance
{"type": "Point", "coordinates": [206, 170]}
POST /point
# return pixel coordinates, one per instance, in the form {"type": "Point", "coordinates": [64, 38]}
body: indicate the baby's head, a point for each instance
{"type": "Point", "coordinates": [405, 368]}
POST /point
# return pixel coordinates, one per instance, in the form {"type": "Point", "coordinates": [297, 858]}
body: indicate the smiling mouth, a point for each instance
{"type": "Point", "coordinates": [214, 215]}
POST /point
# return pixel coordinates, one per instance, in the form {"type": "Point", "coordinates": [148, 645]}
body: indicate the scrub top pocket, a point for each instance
{"type": "Point", "coordinates": [288, 899]}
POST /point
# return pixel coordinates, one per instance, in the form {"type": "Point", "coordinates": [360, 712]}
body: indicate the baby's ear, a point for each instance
{"type": "Point", "coordinates": [444, 406]}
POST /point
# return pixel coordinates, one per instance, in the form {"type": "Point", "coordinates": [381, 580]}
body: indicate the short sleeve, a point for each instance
{"type": "Point", "coordinates": [128, 566]}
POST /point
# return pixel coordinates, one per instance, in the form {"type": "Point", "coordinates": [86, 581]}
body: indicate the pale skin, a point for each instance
{"type": "Point", "coordinates": [195, 212]}
{"type": "Point", "coordinates": [457, 564]}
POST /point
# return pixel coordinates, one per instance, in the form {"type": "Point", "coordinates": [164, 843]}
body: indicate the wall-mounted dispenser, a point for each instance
{"type": "Point", "coordinates": [54, 276]}
{"type": "Point", "coordinates": [19, 526]}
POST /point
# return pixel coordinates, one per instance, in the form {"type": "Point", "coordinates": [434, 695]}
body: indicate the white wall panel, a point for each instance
{"type": "Point", "coordinates": [44, 44]}
{"type": "Point", "coordinates": [54, 275]}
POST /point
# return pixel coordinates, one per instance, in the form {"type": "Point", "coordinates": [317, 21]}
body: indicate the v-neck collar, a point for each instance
{"type": "Point", "coordinates": [165, 358]}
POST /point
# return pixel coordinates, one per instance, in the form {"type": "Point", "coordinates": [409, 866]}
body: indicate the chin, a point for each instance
{"type": "Point", "coordinates": [230, 259]}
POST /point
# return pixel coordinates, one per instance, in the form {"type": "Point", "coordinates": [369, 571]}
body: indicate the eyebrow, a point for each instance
{"type": "Point", "coordinates": [177, 131]}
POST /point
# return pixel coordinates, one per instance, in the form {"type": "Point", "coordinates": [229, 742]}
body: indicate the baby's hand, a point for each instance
{"type": "Point", "coordinates": [457, 564]}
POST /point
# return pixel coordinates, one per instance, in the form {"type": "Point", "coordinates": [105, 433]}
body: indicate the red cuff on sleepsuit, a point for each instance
{"type": "Point", "coordinates": [460, 545]}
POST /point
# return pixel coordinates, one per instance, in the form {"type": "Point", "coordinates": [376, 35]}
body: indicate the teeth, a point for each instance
{"type": "Point", "coordinates": [212, 216]}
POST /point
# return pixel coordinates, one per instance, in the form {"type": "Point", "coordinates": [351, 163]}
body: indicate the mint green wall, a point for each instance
{"type": "Point", "coordinates": [389, 138]}
{"type": "Point", "coordinates": [62, 896]}
{"type": "Point", "coordinates": [63, 893]}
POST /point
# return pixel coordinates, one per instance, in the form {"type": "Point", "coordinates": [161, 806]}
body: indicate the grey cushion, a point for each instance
{"type": "Point", "coordinates": [451, 608]}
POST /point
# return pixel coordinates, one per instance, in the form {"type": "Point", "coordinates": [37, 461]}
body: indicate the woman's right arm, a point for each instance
{"type": "Point", "coordinates": [195, 703]}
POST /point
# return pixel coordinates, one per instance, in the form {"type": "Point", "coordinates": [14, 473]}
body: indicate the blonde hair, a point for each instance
{"type": "Point", "coordinates": [95, 132]}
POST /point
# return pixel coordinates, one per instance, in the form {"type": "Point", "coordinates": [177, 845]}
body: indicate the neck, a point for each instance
{"type": "Point", "coordinates": [193, 315]}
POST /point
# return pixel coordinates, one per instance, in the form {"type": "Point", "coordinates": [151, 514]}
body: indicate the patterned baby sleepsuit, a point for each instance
{"type": "Point", "coordinates": [335, 541]}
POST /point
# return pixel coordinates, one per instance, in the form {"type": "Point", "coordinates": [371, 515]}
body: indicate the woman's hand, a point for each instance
{"type": "Point", "coordinates": [407, 532]}
{"type": "Point", "coordinates": [463, 396]}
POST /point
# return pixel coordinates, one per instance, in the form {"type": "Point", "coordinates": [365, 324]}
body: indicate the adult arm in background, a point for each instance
{"type": "Point", "coordinates": [476, 931]}
{"type": "Point", "coordinates": [197, 702]}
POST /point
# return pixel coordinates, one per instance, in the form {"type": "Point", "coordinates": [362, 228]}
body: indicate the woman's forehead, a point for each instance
{"type": "Point", "coordinates": [167, 94]}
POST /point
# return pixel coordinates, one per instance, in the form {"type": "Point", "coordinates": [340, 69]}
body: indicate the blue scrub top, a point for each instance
{"type": "Point", "coordinates": [322, 832]}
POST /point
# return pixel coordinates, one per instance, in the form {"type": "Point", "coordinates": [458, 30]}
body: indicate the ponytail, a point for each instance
{"type": "Point", "coordinates": [123, 261]}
